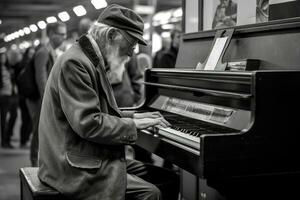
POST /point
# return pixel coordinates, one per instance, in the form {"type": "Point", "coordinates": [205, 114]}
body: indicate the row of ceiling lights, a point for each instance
{"type": "Point", "coordinates": [63, 16]}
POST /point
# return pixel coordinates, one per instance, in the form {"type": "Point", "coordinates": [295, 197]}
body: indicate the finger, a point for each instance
{"type": "Point", "coordinates": [155, 114]}
{"type": "Point", "coordinates": [163, 120]}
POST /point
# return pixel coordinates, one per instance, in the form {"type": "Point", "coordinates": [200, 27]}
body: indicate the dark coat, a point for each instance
{"type": "Point", "coordinates": [166, 58]}
{"type": "Point", "coordinates": [81, 131]}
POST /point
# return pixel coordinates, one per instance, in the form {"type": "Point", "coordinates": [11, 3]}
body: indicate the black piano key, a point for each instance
{"type": "Point", "coordinates": [194, 127]}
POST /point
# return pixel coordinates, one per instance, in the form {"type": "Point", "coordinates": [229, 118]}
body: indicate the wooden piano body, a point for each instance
{"type": "Point", "coordinates": [265, 137]}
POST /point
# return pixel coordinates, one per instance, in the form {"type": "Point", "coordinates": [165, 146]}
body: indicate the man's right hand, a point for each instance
{"type": "Point", "coordinates": [144, 123]}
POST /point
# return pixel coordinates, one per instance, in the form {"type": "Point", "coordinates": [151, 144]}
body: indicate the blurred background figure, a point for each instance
{"type": "Point", "coordinates": [129, 91]}
{"type": "Point", "coordinates": [167, 58]}
{"type": "Point", "coordinates": [84, 25]}
{"type": "Point", "coordinates": [165, 45]}
{"type": "Point", "coordinates": [14, 57]}
{"type": "Point", "coordinates": [8, 116]}
{"type": "Point", "coordinates": [26, 123]}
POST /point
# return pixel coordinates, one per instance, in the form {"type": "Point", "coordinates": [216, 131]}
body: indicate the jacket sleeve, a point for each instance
{"type": "Point", "coordinates": [81, 106]}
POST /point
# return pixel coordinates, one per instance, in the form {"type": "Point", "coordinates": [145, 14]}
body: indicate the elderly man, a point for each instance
{"type": "Point", "coordinates": [82, 131]}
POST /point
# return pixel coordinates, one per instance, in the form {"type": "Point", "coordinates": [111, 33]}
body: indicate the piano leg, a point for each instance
{"type": "Point", "coordinates": [195, 188]}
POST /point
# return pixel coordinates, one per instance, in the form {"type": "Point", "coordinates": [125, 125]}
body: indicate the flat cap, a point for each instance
{"type": "Point", "coordinates": [125, 19]}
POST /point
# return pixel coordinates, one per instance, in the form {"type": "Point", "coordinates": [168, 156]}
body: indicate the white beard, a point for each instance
{"type": "Point", "coordinates": [117, 65]}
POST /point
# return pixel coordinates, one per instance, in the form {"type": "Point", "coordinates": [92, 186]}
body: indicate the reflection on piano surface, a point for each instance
{"type": "Point", "coordinates": [224, 124]}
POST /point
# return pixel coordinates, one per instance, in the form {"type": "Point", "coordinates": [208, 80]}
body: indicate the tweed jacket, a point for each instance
{"type": "Point", "coordinates": [81, 131]}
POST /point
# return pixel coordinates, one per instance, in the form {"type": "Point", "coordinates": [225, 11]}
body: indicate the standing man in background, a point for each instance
{"type": "Point", "coordinates": [167, 58]}
{"type": "Point", "coordinates": [44, 59]}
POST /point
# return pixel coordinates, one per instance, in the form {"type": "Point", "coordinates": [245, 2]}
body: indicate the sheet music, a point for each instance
{"type": "Point", "coordinates": [215, 53]}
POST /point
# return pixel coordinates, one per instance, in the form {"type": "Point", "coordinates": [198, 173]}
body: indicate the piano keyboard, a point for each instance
{"type": "Point", "coordinates": [187, 131]}
{"type": "Point", "coordinates": [181, 137]}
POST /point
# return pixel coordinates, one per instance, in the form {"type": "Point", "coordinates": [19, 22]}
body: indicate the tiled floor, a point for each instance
{"type": "Point", "coordinates": [11, 160]}
{"type": "Point", "coordinates": [10, 163]}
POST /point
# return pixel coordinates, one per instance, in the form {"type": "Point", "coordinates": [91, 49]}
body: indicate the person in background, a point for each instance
{"type": "Point", "coordinates": [6, 92]}
{"type": "Point", "coordinates": [82, 132]}
{"type": "Point", "coordinates": [84, 25]}
{"type": "Point", "coordinates": [26, 124]}
{"type": "Point", "coordinates": [14, 57]}
{"type": "Point", "coordinates": [167, 58]}
{"type": "Point", "coordinates": [128, 90]}
{"type": "Point", "coordinates": [165, 46]}
{"type": "Point", "coordinates": [44, 59]}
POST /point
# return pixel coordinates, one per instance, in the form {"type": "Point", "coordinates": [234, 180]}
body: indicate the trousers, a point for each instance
{"type": "Point", "coordinates": [150, 182]}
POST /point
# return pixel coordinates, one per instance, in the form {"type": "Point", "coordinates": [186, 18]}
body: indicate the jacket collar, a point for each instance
{"type": "Point", "coordinates": [92, 51]}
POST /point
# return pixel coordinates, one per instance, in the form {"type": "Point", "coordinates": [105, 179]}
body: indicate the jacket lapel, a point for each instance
{"type": "Point", "coordinates": [98, 62]}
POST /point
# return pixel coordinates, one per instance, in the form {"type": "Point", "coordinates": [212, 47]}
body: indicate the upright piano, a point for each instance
{"type": "Point", "coordinates": [225, 124]}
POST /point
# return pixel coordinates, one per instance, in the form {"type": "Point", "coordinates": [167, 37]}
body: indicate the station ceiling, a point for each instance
{"type": "Point", "coordinates": [17, 14]}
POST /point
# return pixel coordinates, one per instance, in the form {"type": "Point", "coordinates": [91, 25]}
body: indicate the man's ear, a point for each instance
{"type": "Point", "coordinates": [111, 35]}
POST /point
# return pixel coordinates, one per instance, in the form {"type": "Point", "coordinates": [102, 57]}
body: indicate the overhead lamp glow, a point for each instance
{"type": "Point", "coordinates": [16, 34]}
{"type": "Point", "coordinates": [64, 16]}
{"type": "Point", "coordinates": [79, 10]}
{"type": "Point", "coordinates": [167, 26]}
{"type": "Point", "coordinates": [26, 30]}
{"type": "Point", "coordinates": [41, 24]}
{"type": "Point", "coordinates": [0, 21]}
{"type": "Point", "coordinates": [177, 12]}
{"type": "Point", "coordinates": [36, 42]}
{"type": "Point", "coordinates": [99, 3]}
{"type": "Point", "coordinates": [21, 32]}
{"type": "Point", "coordinates": [33, 27]}
{"type": "Point", "coordinates": [51, 19]}
{"type": "Point", "coordinates": [165, 34]}
{"type": "Point", "coordinates": [6, 39]}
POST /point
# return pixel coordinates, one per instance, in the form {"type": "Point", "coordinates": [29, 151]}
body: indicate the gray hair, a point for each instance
{"type": "Point", "coordinates": [98, 30]}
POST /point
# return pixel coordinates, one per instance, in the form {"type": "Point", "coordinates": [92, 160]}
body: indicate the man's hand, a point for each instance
{"type": "Point", "coordinates": [144, 123]}
{"type": "Point", "coordinates": [147, 115]}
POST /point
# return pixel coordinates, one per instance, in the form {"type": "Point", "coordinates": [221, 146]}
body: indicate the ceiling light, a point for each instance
{"type": "Point", "coordinates": [16, 35]}
{"type": "Point", "coordinates": [26, 30]}
{"type": "Point", "coordinates": [51, 19]}
{"type": "Point", "coordinates": [36, 42]}
{"type": "Point", "coordinates": [21, 32]}
{"type": "Point", "coordinates": [99, 3]}
{"type": "Point", "coordinates": [165, 34]}
{"type": "Point", "coordinates": [6, 39]}
{"type": "Point", "coordinates": [167, 26]}
{"type": "Point", "coordinates": [64, 16]}
{"type": "Point", "coordinates": [79, 10]}
{"type": "Point", "coordinates": [177, 12]}
{"type": "Point", "coordinates": [0, 21]}
{"type": "Point", "coordinates": [41, 24]}
{"type": "Point", "coordinates": [33, 27]}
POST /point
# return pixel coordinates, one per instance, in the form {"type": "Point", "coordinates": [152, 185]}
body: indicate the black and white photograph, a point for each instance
{"type": "Point", "coordinates": [149, 99]}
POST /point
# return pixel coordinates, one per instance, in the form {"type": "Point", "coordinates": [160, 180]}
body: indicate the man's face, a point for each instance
{"type": "Point", "coordinates": [57, 37]}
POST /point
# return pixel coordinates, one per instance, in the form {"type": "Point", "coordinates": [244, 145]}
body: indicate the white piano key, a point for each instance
{"type": "Point", "coordinates": [181, 137]}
